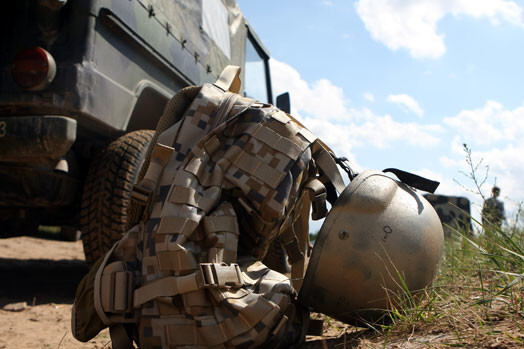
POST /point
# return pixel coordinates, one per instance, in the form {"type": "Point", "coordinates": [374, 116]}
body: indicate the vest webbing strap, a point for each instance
{"type": "Point", "coordinates": [301, 228]}
{"type": "Point", "coordinates": [208, 275]}
{"type": "Point", "coordinates": [119, 337]}
{"type": "Point", "coordinates": [229, 79]}
{"type": "Point", "coordinates": [317, 195]}
{"type": "Point", "coordinates": [327, 164]}
{"type": "Point", "coordinates": [97, 290]}
{"type": "Point", "coordinates": [166, 287]}
{"type": "Point", "coordinates": [295, 238]}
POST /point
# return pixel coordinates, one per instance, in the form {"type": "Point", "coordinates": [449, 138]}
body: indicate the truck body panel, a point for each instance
{"type": "Point", "coordinates": [117, 64]}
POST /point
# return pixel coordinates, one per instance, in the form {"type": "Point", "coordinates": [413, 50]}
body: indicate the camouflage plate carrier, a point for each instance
{"type": "Point", "coordinates": [227, 176]}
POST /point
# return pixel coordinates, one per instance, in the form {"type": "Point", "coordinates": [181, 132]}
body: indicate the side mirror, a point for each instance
{"type": "Point", "coordinates": [284, 103]}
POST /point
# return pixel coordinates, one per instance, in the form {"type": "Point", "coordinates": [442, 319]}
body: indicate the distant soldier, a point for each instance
{"type": "Point", "coordinates": [493, 210]}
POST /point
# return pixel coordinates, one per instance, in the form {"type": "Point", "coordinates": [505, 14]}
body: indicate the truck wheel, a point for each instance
{"type": "Point", "coordinates": [107, 192]}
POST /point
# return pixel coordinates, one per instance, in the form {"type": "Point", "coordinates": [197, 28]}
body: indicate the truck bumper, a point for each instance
{"type": "Point", "coordinates": [29, 148]}
{"type": "Point", "coordinates": [27, 138]}
{"type": "Point", "coordinates": [24, 186]}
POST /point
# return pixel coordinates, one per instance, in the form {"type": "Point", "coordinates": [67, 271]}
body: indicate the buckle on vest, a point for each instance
{"type": "Point", "coordinates": [318, 197]}
{"type": "Point", "coordinates": [221, 275]}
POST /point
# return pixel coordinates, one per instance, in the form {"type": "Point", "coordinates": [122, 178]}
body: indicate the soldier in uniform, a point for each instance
{"type": "Point", "coordinates": [493, 210]}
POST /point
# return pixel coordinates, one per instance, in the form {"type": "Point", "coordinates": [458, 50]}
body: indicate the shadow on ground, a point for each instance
{"type": "Point", "coordinates": [39, 281]}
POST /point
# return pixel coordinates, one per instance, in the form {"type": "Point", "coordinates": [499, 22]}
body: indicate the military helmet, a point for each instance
{"type": "Point", "coordinates": [379, 234]}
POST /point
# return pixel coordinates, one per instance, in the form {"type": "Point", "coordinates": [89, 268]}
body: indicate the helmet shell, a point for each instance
{"type": "Point", "coordinates": [377, 229]}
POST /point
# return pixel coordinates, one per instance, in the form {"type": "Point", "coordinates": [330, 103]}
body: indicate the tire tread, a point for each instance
{"type": "Point", "coordinates": [107, 192]}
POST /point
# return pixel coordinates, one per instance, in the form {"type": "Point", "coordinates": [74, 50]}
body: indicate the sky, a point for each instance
{"type": "Point", "coordinates": [406, 83]}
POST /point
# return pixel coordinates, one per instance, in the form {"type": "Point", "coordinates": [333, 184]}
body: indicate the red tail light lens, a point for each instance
{"type": "Point", "coordinates": [33, 69]}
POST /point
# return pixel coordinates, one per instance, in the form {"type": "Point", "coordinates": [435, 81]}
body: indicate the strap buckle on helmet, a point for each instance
{"type": "Point", "coordinates": [343, 162]}
{"type": "Point", "coordinates": [414, 181]}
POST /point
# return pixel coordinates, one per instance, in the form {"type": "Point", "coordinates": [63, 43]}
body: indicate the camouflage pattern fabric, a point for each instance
{"type": "Point", "coordinates": [454, 212]}
{"type": "Point", "coordinates": [227, 180]}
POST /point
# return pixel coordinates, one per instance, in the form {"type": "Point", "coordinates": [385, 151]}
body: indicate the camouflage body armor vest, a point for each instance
{"type": "Point", "coordinates": [227, 176]}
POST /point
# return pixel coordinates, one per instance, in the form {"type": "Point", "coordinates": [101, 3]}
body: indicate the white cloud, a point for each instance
{"type": "Point", "coordinates": [326, 111]}
{"type": "Point", "coordinates": [406, 102]}
{"type": "Point", "coordinates": [321, 98]}
{"type": "Point", "coordinates": [378, 132]}
{"type": "Point", "coordinates": [412, 24]}
{"type": "Point", "coordinates": [494, 134]}
{"type": "Point", "coordinates": [448, 162]}
{"type": "Point", "coordinates": [369, 97]}
{"type": "Point", "coordinates": [506, 164]}
{"type": "Point", "coordinates": [327, 3]}
{"type": "Point", "coordinates": [489, 125]}
{"type": "Point", "coordinates": [457, 150]}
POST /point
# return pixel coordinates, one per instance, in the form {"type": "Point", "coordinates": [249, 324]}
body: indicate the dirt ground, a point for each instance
{"type": "Point", "coordinates": [43, 274]}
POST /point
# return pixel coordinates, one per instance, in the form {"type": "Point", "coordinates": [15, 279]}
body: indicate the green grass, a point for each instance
{"type": "Point", "coordinates": [478, 297]}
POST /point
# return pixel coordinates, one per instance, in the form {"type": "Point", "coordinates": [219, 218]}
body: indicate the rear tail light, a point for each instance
{"type": "Point", "coordinates": [33, 69]}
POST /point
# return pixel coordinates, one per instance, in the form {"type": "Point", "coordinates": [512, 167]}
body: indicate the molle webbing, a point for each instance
{"type": "Point", "coordinates": [142, 193]}
{"type": "Point", "coordinates": [173, 112]}
{"type": "Point", "coordinates": [254, 151]}
{"type": "Point", "coordinates": [265, 146]}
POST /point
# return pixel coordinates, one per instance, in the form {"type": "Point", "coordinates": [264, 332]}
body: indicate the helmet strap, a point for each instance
{"type": "Point", "coordinates": [414, 180]}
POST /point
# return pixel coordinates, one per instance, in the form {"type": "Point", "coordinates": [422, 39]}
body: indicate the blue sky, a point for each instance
{"type": "Point", "coordinates": [404, 83]}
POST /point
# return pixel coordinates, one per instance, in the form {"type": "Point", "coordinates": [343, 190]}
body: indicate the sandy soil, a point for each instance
{"type": "Point", "coordinates": [44, 274]}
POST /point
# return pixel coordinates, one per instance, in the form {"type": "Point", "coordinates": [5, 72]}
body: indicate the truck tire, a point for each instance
{"type": "Point", "coordinates": [107, 192]}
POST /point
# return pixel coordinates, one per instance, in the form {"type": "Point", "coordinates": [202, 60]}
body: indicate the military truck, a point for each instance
{"type": "Point", "coordinates": [454, 213]}
{"type": "Point", "coordinates": [83, 85]}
